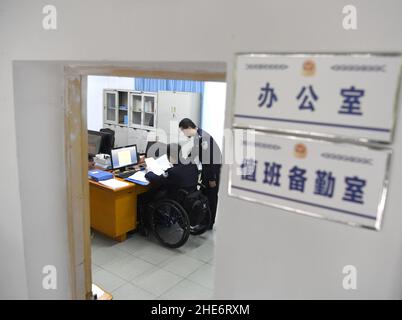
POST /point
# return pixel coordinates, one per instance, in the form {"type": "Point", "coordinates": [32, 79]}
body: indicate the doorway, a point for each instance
{"type": "Point", "coordinates": [132, 268]}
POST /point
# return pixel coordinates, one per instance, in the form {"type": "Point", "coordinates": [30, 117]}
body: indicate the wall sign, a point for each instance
{"type": "Point", "coordinates": [337, 181]}
{"type": "Point", "coordinates": [349, 96]}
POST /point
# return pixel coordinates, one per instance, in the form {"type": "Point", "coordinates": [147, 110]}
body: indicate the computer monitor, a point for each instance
{"type": "Point", "coordinates": [99, 142]}
{"type": "Point", "coordinates": [124, 157]}
{"type": "Point", "coordinates": [94, 142]}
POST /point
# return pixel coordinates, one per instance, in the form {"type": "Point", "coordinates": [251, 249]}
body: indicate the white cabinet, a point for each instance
{"type": "Point", "coordinates": [130, 114]}
{"type": "Point", "coordinates": [130, 108]}
{"type": "Point", "coordinates": [143, 110]}
{"type": "Point", "coordinates": [136, 110]}
{"type": "Point", "coordinates": [139, 137]}
{"type": "Point", "coordinates": [121, 136]}
{"type": "Point", "coordinates": [115, 104]}
{"type": "Point", "coordinates": [149, 112]}
{"type": "Point", "coordinates": [122, 111]}
{"type": "Point", "coordinates": [124, 136]}
{"type": "Point", "coordinates": [134, 115]}
{"type": "Point", "coordinates": [110, 106]}
{"type": "Point", "coordinates": [174, 106]}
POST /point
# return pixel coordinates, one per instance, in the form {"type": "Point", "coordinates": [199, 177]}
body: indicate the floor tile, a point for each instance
{"type": "Point", "coordinates": [141, 268]}
{"type": "Point", "coordinates": [154, 253]}
{"type": "Point", "coordinates": [156, 281]}
{"type": "Point", "coordinates": [134, 243]}
{"type": "Point", "coordinates": [181, 265]}
{"type": "Point", "coordinates": [95, 268]}
{"type": "Point", "coordinates": [128, 267]}
{"type": "Point", "coordinates": [129, 291]}
{"type": "Point", "coordinates": [107, 280]}
{"type": "Point", "coordinates": [204, 275]}
{"type": "Point", "coordinates": [98, 240]}
{"type": "Point", "coordinates": [203, 253]}
{"type": "Point", "coordinates": [103, 256]}
{"type": "Point", "coordinates": [209, 237]}
{"type": "Point", "coordinates": [187, 289]}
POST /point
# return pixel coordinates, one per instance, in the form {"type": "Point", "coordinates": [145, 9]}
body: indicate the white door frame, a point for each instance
{"type": "Point", "coordinates": [76, 143]}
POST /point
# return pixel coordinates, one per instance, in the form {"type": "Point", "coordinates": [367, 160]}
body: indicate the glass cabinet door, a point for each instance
{"type": "Point", "coordinates": [149, 111]}
{"type": "Point", "coordinates": [110, 99]}
{"type": "Point", "coordinates": [123, 108]}
{"type": "Point", "coordinates": [136, 109]}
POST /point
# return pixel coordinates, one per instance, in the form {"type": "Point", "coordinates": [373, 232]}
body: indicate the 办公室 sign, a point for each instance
{"type": "Point", "coordinates": [337, 181]}
{"type": "Point", "coordinates": [349, 96]}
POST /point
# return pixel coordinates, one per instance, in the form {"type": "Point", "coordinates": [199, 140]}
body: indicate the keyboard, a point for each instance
{"type": "Point", "coordinates": [126, 174]}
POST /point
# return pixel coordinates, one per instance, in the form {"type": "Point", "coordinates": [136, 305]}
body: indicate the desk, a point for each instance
{"type": "Point", "coordinates": [114, 211]}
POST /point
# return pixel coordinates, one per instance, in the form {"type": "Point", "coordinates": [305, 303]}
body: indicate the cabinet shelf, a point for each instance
{"type": "Point", "coordinates": [130, 108]}
{"type": "Point", "coordinates": [145, 112]}
{"type": "Point", "coordinates": [131, 114]}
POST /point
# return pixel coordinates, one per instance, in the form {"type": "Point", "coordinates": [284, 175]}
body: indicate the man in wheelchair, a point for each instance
{"type": "Point", "coordinates": [174, 193]}
{"type": "Point", "coordinates": [180, 176]}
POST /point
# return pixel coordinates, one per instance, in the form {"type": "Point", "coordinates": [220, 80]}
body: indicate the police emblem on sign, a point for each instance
{"type": "Point", "coordinates": [300, 151]}
{"type": "Point", "coordinates": [308, 68]}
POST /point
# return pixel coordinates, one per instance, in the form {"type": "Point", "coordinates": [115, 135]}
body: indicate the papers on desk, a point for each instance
{"type": "Point", "coordinates": [139, 178]}
{"type": "Point", "coordinates": [158, 166]}
{"type": "Point", "coordinates": [164, 162]}
{"type": "Point", "coordinates": [114, 183]}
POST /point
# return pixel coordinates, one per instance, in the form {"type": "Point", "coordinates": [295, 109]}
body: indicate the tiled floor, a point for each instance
{"type": "Point", "coordinates": [141, 269]}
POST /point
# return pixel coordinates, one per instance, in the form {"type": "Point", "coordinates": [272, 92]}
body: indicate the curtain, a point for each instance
{"type": "Point", "coordinates": [155, 85]}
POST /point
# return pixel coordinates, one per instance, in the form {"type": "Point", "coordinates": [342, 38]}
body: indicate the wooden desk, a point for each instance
{"type": "Point", "coordinates": [114, 211]}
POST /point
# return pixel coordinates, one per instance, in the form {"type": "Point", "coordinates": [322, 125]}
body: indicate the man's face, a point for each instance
{"type": "Point", "coordinates": [189, 132]}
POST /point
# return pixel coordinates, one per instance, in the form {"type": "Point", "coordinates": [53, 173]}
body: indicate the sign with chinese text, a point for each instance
{"type": "Point", "coordinates": [348, 96]}
{"type": "Point", "coordinates": [337, 181]}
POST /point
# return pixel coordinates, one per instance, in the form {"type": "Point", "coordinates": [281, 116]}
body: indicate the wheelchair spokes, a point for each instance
{"type": "Point", "coordinates": [172, 221]}
{"type": "Point", "coordinates": [170, 224]}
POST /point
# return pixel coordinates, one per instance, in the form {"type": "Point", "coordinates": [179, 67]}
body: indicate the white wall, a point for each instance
{"type": "Point", "coordinates": [41, 161]}
{"type": "Point", "coordinates": [213, 110]}
{"type": "Point", "coordinates": [96, 85]}
{"type": "Point", "coordinates": [261, 252]}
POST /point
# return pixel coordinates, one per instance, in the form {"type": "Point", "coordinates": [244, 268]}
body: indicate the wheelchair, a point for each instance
{"type": "Point", "coordinates": [172, 220]}
{"type": "Point", "coordinates": [197, 208]}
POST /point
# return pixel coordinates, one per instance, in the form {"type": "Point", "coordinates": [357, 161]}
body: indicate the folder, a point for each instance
{"type": "Point", "coordinates": [99, 175]}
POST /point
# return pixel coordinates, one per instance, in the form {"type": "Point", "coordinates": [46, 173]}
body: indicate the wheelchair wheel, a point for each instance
{"type": "Point", "coordinates": [170, 223]}
{"type": "Point", "coordinates": [201, 220]}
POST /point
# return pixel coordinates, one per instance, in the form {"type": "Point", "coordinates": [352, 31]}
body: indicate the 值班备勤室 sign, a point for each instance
{"type": "Point", "coordinates": [349, 96]}
{"type": "Point", "coordinates": [337, 181]}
